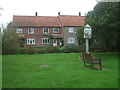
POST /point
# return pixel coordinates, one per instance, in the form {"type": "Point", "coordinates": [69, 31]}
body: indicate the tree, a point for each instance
{"type": "Point", "coordinates": [80, 37]}
{"type": "Point", "coordinates": [9, 39]}
{"type": "Point", "coordinates": [50, 39]}
{"type": "Point", "coordinates": [104, 22]}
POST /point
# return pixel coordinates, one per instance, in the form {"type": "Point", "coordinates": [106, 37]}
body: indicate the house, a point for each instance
{"type": "Point", "coordinates": [40, 31]}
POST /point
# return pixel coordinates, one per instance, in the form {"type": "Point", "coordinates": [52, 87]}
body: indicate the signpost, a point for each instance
{"type": "Point", "coordinates": [87, 36]}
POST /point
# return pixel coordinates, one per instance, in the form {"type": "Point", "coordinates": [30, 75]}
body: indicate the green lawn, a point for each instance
{"type": "Point", "coordinates": [65, 71]}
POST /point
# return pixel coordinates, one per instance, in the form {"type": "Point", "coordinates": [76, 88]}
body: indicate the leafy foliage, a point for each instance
{"type": "Point", "coordinates": [104, 22]}
{"type": "Point", "coordinates": [80, 37]}
{"type": "Point", "coordinates": [31, 50]}
{"type": "Point", "coordinates": [9, 40]}
{"type": "Point", "coordinates": [51, 49]}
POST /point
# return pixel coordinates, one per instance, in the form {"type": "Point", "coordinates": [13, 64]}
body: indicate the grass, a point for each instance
{"type": "Point", "coordinates": [64, 71]}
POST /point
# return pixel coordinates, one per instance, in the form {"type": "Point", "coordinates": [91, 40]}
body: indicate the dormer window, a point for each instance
{"type": "Point", "coordinates": [55, 30]}
{"type": "Point", "coordinates": [31, 31]}
{"type": "Point", "coordinates": [45, 30]}
{"type": "Point", "coordinates": [19, 30]}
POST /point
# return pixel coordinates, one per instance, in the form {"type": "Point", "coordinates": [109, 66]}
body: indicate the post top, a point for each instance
{"type": "Point", "coordinates": [87, 25]}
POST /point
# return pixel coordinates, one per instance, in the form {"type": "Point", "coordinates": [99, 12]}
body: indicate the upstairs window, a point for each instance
{"type": "Point", "coordinates": [71, 40]}
{"type": "Point", "coordinates": [45, 30]}
{"type": "Point", "coordinates": [45, 41]}
{"type": "Point", "coordinates": [71, 30]}
{"type": "Point", "coordinates": [30, 41]}
{"type": "Point", "coordinates": [55, 30]}
{"type": "Point", "coordinates": [31, 31]}
{"type": "Point", "coordinates": [19, 30]}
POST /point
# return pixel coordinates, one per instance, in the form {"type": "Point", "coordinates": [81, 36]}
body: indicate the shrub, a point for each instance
{"type": "Point", "coordinates": [40, 51]}
{"type": "Point", "coordinates": [51, 49]}
{"type": "Point", "coordinates": [70, 49]}
{"type": "Point", "coordinates": [56, 49]}
{"type": "Point", "coordinates": [21, 50]}
{"type": "Point", "coordinates": [31, 50]}
{"type": "Point", "coordinates": [94, 47]}
{"type": "Point", "coordinates": [82, 47]}
{"type": "Point", "coordinates": [9, 51]}
{"type": "Point", "coordinates": [12, 51]}
{"type": "Point", "coordinates": [66, 49]}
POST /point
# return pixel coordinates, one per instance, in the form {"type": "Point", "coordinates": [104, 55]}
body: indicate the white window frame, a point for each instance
{"type": "Point", "coordinates": [71, 30]}
{"type": "Point", "coordinates": [47, 41]}
{"type": "Point", "coordinates": [71, 40]}
{"type": "Point", "coordinates": [44, 30]}
{"type": "Point", "coordinates": [31, 32]}
{"type": "Point", "coordinates": [55, 31]}
{"type": "Point", "coordinates": [33, 41]}
{"type": "Point", "coordinates": [19, 30]}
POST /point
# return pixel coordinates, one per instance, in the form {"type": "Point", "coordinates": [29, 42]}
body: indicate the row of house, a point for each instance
{"type": "Point", "coordinates": [40, 31]}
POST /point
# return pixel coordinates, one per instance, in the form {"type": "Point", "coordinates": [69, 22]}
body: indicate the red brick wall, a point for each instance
{"type": "Point", "coordinates": [37, 36]}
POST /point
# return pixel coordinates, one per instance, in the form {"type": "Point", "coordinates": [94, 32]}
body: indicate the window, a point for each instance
{"type": "Point", "coordinates": [31, 30]}
{"type": "Point", "coordinates": [55, 30]}
{"type": "Point", "coordinates": [45, 41]}
{"type": "Point", "coordinates": [45, 30]}
{"type": "Point", "coordinates": [71, 30]}
{"type": "Point", "coordinates": [30, 41]}
{"type": "Point", "coordinates": [19, 30]}
{"type": "Point", "coordinates": [71, 40]}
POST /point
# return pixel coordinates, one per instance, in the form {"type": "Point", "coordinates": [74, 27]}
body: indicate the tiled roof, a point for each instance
{"type": "Point", "coordinates": [36, 21]}
{"type": "Point", "coordinates": [72, 20]}
{"type": "Point", "coordinates": [41, 21]}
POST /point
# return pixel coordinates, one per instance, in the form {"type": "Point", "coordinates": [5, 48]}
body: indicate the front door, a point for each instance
{"type": "Point", "coordinates": [54, 42]}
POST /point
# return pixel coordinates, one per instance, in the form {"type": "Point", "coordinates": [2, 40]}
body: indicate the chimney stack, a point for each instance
{"type": "Point", "coordinates": [79, 13]}
{"type": "Point", "coordinates": [36, 14]}
{"type": "Point", "coordinates": [58, 13]}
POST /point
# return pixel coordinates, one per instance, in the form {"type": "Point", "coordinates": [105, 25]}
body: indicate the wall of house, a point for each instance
{"type": "Point", "coordinates": [67, 35]}
{"type": "Point", "coordinates": [38, 35]}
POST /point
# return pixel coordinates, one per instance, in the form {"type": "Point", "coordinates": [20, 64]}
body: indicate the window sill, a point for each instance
{"type": "Point", "coordinates": [31, 33]}
{"type": "Point", "coordinates": [45, 43]}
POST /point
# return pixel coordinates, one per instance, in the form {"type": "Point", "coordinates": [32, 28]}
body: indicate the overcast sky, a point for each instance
{"type": "Point", "coordinates": [43, 7]}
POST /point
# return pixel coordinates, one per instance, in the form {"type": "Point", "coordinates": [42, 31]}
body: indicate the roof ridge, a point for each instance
{"type": "Point", "coordinates": [32, 16]}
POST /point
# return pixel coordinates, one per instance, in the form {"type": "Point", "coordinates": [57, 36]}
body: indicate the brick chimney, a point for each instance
{"type": "Point", "coordinates": [79, 13]}
{"type": "Point", "coordinates": [36, 14]}
{"type": "Point", "coordinates": [58, 13]}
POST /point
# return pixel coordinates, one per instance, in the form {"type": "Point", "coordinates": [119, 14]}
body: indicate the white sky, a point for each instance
{"type": "Point", "coordinates": [43, 7]}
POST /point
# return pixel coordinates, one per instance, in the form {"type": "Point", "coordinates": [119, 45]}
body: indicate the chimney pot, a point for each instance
{"type": "Point", "coordinates": [58, 13]}
{"type": "Point", "coordinates": [79, 13]}
{"type": "Point", "coordinates": [36, 14]}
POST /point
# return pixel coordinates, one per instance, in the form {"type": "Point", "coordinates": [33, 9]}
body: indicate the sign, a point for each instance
{"type": "Point", "coordinates": [87, 31]}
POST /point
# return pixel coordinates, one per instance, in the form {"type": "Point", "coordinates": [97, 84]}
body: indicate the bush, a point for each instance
{"type": "Point", "coordinates": [70, 49]}
{"type": "Point", "coordinates": [40, 51]}
{"type": "Point", "coordinates": [82, 47]}
{"type": "Point", "coordinates": [31, 50]}
{"type": "Point", "coordinates": [8, 51]}
{"type": "Point", "coordinates": [21, 50]}
{"type": "Point", "coordinates": [51, 49]}
{"type": "Point", "coordinates": [96, 47]}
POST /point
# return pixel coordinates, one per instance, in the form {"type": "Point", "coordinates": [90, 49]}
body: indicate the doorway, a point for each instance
{"type": "Point", "coordinates": [54, 42]}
